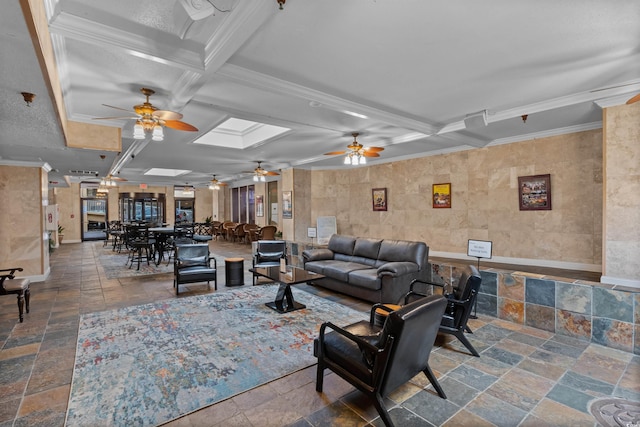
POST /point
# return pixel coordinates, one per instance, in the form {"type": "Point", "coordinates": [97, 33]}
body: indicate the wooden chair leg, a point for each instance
{"type": "Point", "coordinates": [21, 305]}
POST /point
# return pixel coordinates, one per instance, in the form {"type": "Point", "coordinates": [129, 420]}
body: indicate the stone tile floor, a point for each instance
{"type": "Point", "coordinates": [524, 377]}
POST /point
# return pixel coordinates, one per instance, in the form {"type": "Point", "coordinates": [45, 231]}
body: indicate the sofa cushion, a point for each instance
{"type": "Point", "coordinates": [367, 278]}
{"type": "Point", "coordinates": [315, 266]}
{"type": "Point", "coordinates": [401, 250]}
{"type": "Point", "coordinates": [367, 248]}
{"type": "Point", "coordinates": [195, 261]}
{"type": "Point", "coordinates": [340, 270]}
{"type": "Point", "coordinates": [342, 244]}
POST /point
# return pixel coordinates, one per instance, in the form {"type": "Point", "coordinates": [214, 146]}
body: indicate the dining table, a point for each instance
{"type": "Point", "coordinates": [162, 235]}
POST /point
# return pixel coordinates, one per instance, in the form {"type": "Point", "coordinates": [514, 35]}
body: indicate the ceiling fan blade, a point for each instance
{"type": "Point", "coordinates": [222, 183]}
{"type": "Point", "coordinates": [178, 125]}
{"type": "Point", "coordinates": [367, 154]}
{"type": "Point", "coordinates": [634, 99]}
{"type": "Point", "coordinates": [118, 108]}
{"type": "Point", "coordinates": [114, 118]}
{"type": "Point", "coordinates": [334, 153]}
{"type": "Point", "coordinates": [167, 115]}
{"type": "Point", "coordinates": [269, 173]}
{"type": "Point", "coordinates": [117, 178]}
{"type": "Point", "coordinates": [374, 149]}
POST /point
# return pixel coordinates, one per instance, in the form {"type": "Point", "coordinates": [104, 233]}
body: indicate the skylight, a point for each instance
{"type": "Point", "coordinates": [238, 133]}
{"type": "Point", "coordinates": [166, 172]}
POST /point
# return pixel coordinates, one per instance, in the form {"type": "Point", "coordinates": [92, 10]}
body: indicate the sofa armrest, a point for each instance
{"type": "Point", "coordinates": [317, 254]}
{"type": "Point", "coordinates": [397, 268]}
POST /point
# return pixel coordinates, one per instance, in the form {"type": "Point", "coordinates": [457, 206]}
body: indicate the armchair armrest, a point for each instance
{"type": "Point", "coordinates": [215, 262]}
{"type": "Point", "coordinates": [317, 254]}
{"type": "Point", "coordinates": [362, 343]}
{"type": "Point", "coordinates": [423, 282]}
{"type": "Point", "coordinates": [397, 268]}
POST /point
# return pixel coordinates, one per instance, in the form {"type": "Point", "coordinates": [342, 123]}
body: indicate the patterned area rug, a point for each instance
{"type": "Point", "coordinates": [148, 364]}
{"type": "Point", "coordinates": [115, 264]}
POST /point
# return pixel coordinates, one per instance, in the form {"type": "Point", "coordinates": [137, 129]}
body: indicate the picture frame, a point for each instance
{"type": "Point", "coordinates": [534, 192]}
{"type": "Point", "coordinates": [287, 204]}
{"type": "Point", "coordinates": [259, 206]}
{"type": "Point", "coordinates": [441, 195]}
{"type": "Point", "coordinates": [379, 199]}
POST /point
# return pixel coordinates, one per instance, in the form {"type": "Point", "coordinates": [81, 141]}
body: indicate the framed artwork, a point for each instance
{"type": "Point", "coordinates": [287, 204]}
{"type": "Point", "coordinates": [259, 205]}
{"type": "Point", "coordinates": [441, 195]}
{"type": "Point", "coordinates": [379, 199]}
{"type": "Point", "coordinates": [534, 192]}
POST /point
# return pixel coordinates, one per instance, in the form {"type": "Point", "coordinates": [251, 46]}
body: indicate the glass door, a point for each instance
{"type": "Point", "coordinates": [94, 219]}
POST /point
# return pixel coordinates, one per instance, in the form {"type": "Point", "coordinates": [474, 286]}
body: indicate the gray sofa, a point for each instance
{"type": "Point", "coordinates": [375, 270]}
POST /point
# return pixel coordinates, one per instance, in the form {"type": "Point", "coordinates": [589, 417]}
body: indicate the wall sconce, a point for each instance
{"type": "Point", "coordinates": [28, 98]}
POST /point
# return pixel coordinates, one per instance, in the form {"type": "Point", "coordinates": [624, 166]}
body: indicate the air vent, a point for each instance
{"type": "Point", "coordinates": [80, 172]}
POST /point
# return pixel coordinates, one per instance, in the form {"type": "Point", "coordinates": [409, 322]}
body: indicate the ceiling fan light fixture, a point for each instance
{"type": "Point", "coordinates": [347, 160]}
{"type": "Point", "coordinates": [255, 178]}
{"type": "Point", "coordinates": [262, 178]}
{"type": "Point", "coordinates": [363, 160]}
{"type": "Point", "coordinates": [138, 130]}
{"type": "Point", "coordinates": [158, 133]}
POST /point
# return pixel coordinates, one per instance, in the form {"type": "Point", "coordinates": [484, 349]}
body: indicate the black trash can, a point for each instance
{"type": "Point", "coordinates": [234, 271]}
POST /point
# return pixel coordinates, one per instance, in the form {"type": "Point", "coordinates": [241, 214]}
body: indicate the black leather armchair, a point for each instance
{"type": "Point", "coordinates": [192, 264]}
{"type": "Point", "coordinates": [461, 299]}
{"type": "Point", "coordinates": [268, 254]}
{"type": "Point", "coordinates": [9, 284]}
{"type": "Point", "coordinates": [378, 360]}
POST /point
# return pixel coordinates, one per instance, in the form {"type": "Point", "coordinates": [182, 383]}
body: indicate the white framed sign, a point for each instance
{"type": "Point", "coordinates": [311, 232]}
{"type": "Point", "coordinates": [326, 227]}
{"type": "Point", "coordinates": [479, 248]}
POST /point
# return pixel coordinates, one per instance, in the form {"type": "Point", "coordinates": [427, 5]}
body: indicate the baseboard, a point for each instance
{"type": "Point", "coordinates": [39, 277]}
{"type": "Point", "coordinates": [621, 282]}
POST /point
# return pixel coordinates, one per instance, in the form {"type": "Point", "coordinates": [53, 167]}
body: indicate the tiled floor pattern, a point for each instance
{"type": "Point", "coordinates": [524, 377]}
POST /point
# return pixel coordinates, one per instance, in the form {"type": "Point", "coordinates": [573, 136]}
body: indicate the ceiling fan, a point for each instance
{"type": "Point", "coordinates": [214, 184]}
{"type": "Point", "coordinates": [357, 153]}
{"type": "Point", "coordinates": [259, 173]}
{"type": "Point", "coordinates": [633, 99]}
{"type": "Point", "coordinates": [150, 119]}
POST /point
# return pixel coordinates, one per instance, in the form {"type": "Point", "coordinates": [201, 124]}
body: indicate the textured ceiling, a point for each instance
{"type": "Point", "coordinates": [416, 69]}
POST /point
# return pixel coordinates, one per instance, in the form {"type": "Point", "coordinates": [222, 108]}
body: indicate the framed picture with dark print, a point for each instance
{"type": "Point", "coordinates": [379, 199]}
{"type": "Point", "coordinates": [535, 192]}
{"type": "Point", "coordinates": [441, 195]}
{"type": "Point", "coordinates": [287, 204]}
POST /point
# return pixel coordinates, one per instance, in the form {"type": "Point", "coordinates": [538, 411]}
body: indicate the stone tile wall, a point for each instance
{"type": "Point", "coordinates": [602, 314]}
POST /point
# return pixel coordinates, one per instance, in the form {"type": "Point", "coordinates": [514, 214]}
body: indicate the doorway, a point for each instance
{"type": "Point", "coordinates": [94, 219]}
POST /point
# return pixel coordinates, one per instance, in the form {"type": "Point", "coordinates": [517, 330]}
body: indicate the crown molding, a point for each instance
{"type": "Point", "coordinates": [41, 165]}
{"type": "Point", "coordinates": [96, 33]}
{"type": "Point", "coordinates": [547, 133]}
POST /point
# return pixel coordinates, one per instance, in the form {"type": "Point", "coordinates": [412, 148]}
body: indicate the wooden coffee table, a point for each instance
{"type": "Point", "coordinates": [284, 301]}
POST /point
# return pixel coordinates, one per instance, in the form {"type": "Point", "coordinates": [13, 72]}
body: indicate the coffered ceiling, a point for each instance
{"type": "Point", "coordinates": [405, 75]}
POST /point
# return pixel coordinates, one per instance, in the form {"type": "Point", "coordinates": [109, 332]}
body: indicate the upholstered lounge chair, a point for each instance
{"type": "Point", "coordinates": [268, 254]}
{"type": "Point", "coordinates": [192, 264]}
{"type": "Point", "coordinates": [461, 300]}
{"type": "Point", "coordinates": [9, 284]}
{"type": "Point", "coordinates": [378, 360]}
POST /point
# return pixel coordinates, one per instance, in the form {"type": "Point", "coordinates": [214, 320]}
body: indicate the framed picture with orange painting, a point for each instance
{"type": "Point", "coordinates": [379, 199]}
{"type": "Point", "coordinates": [441, 195]}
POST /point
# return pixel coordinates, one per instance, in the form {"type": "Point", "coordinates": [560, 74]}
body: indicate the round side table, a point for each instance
{"type": "Point", "coordinates": [381, 315]}
{"type": "Point", "coordinates": [234, 271]}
